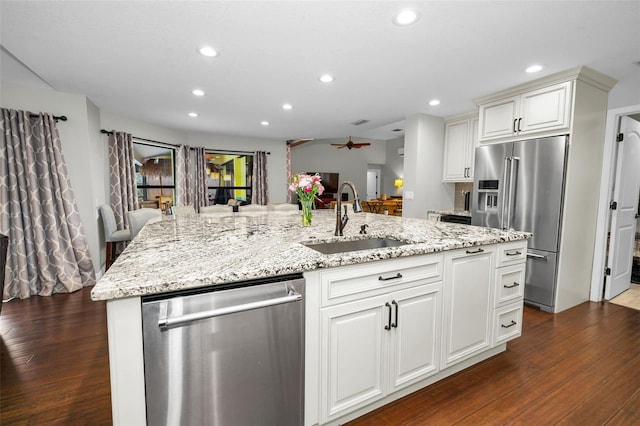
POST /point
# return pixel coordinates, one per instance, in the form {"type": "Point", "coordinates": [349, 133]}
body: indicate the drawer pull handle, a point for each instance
{"type": "Point", "coordinates": [505, 326]}
{"type": "Point", "coordinates": [515, 284]}
{"type": "Point", "coordinates": [476, 251]}
{"type": "Point", "coordinates": [514, 253]}
{"type": "Point", "coordinates": [388, 326]}
{"type": "Point", "coordinates": [398, 275]}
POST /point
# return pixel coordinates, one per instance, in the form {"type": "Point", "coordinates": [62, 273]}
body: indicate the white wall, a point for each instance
{"type": "Point", "coordinates": [394, 168]}
{"type": "Point", "coordinates": [352, 164]}
{"type": "Point", "coordinates": [423, 150]}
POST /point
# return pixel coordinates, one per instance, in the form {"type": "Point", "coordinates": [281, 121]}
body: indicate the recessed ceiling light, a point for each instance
{"type": "Point", "coordinates": [264, 123]}
{"type": "Point", "coordinates": [287, 106]}
{"type": "Point", "coordinates": [534, 68]}
{"type": "Point", "coordinates": [434, 102]}
{"type": "Point", "coordinates": [326, 78]}
{"type": "Point", "coordinates": [193, 114]}
{"type": "Point", "coordinates": [198, 92]}
{"type": "Point", "coordinates": [208, 51]}
{"type": "Point", "coordinates": [406, 17]}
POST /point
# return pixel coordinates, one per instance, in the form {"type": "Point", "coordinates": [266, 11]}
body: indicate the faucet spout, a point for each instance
{"type": "Point", "coordinates": [357, 208]}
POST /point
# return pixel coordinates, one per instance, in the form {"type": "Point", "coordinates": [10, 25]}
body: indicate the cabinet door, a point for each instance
{"type": "Point", "coordinates": [455, 151]}
{"type": "Point", "coordinates": [467, 307]}
{"type": "Point", "coordinates": [472, 144]}
{"type": "Point", "coordinates": [353, 356]}
{"type": "Point", "coordinates": [545, 109]}
{"type": "Point", "coordinates": [497, 118]}
{"type": "Point", "coordinates": [415, 337]}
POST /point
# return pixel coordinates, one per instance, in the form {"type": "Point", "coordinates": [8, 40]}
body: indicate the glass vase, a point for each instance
{"type": "Point", "coordinates": [307, 206]}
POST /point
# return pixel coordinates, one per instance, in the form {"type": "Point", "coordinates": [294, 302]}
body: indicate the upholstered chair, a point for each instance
{"type": "Point", "coordinates": [139, 218]}
{"type": "Point", "coordinates": [283, 207]}
{"type": "Point", "coordinates": [217, 209]}
{"type": "Point", "coordinates": [252, 209]}
{"type": "Point", "coordinates": [112, 235]}
{"type": "Point", "coordinates": [183, 211]}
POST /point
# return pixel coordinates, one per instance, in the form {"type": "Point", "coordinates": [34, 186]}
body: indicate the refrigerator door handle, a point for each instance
{"type": "Point", "coordinates": [505, 185]}
{"type": "Point", "coordinates": [536, 256]}
{"type": "Point", "coordinates": [513, 187]}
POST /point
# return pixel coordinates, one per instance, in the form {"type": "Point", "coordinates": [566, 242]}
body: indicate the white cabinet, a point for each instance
{"type": "Point", "coordinates": [379, 331]}
{"type": "Point", "coordinates": [508, 297]}
{"type": "Point", "coordinates": [353, 355]}
{"type": "Point", "coordinates": [461, 139]}
{"type": "Point", "coordinates": [546, 110]}
{"type": "Point", "coordinates": [375, 346]}
{"type": "Point", "coordinates": [467, 303]}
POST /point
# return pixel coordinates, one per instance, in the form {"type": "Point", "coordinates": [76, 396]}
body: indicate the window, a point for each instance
{"type": "Point", "coordinates": [229, 177]}
{"type": "Point", "coordinates": [155, 175]}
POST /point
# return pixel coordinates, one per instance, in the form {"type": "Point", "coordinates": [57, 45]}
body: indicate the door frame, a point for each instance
{"type": "Point", "coordinates": [606, 192]}
{"type": "Point", "coordinates": [378, 173]}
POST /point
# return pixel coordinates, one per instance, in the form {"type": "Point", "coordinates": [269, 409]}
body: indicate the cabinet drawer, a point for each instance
{"type": "Point", "coordinates": [509, 284]}
{"type": "Point", "coordinates": [349, 283]}
{"type": "Point", "coordinates": [507, 323]}
{"type": "Point", "coordinates": [512, 253]}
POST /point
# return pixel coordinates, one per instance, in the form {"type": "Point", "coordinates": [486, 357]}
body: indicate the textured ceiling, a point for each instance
{"type": "Point", "coordinates": [138, 58]}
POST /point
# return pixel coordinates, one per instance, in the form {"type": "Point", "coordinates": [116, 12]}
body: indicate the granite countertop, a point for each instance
{"type": "Point", "coordinates": [200, 251]}
{"type": "Point", "coordinates": [466, 213]}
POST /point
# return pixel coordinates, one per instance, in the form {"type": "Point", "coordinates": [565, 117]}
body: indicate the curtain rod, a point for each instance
{"type": "Point", "coordinates": [103, 131]}
{"type": "Point", "coordinates": [55, 117]}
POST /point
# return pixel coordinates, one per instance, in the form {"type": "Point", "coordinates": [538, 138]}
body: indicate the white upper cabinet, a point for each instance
{"type": "Point", "coordinates": [461, 139]}
{"type": "Point", "coordinates": [545, 110]}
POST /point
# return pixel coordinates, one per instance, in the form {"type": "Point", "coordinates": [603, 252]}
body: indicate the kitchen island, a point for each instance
{"type": "Point", "coordinates": [449, 270]}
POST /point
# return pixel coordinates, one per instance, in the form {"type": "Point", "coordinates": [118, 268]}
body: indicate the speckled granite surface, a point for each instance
{"type": "Point", "coordinates": [451, 211]}
{"type": "Point", "coordinates": [202, 251]}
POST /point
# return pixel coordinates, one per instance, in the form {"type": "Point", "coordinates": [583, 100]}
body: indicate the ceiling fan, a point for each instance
{"type": "Point", "coordinates": [351, 144]}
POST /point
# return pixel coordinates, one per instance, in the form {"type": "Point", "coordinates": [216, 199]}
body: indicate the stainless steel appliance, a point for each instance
{"type": "Point", "coordinates": [520, 185]}
{"type": "Point", "coordinates": [229, 355]}
{"type": "Point", "coordinates": [456, 218]}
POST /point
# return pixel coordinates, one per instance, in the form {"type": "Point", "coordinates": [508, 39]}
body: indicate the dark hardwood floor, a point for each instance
{"type": "Point", "coordinates": [54, 361]}
{"type": "Point", "coordinates": [579, 367]}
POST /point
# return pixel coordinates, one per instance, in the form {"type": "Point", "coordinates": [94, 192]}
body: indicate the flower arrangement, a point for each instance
{"type": "Point", "coordinates": [308, 187]}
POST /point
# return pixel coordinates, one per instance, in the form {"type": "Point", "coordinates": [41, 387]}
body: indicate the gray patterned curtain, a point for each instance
{"type": "Point", "coordinates": [200, 179]}
{"type": "Point", "coordinates": [190, 177]}
{"type": "Point", "coordinates": [122, 176]}
{"type": "Point", "coordinates": [48, 251]}
{"type": "Point", "coordinates": [260, 190]}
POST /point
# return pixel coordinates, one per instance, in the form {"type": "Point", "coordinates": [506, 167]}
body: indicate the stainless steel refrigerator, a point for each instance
{"type": "Point", "coordinates": [520, 185]}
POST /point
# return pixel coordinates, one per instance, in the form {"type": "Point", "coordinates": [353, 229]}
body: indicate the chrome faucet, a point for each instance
{"type": "Point", "coordinates": [341, 222]}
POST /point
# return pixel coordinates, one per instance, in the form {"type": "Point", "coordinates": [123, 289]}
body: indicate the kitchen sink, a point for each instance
{"type": "Point", "coordinates": [354, 245]}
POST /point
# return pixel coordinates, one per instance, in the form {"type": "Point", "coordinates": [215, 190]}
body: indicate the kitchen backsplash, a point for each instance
{"type": "Point", "coordinates": [461, 188]}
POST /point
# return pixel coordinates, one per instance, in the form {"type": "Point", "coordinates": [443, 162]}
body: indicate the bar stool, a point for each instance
{"type": "Point", "coordinates": [112, 234]}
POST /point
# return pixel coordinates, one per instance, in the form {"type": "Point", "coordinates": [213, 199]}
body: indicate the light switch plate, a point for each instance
{"type": "Point", "coordinates": [408, 195]}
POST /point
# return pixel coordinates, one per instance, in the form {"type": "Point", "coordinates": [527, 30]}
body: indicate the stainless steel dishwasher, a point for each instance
{"type": "Point", "coordinates": [230, 355]}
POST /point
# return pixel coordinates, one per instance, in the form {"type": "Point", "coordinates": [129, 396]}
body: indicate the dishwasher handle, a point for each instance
{"type": "Point", "coordinates": [165, 322]}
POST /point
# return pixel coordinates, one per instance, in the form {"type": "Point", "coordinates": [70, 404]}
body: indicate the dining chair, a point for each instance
{"type": "Point", "coordinates": [398, 210]}
{"type": "Point", "coordinates": [112, 234]}
{"type": "Point", "coordinates": [375, 206]}
{"type": "Point", "coordinates": [139, 218]}
{"type": "Point", "coordinates": [183, 211]}
{"type": "Point", "coordinates": [283, 207]}
{"type": "Point", "coordinates": [217, 208]}
{"type": "Point", "coordinates": [252, 208]}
